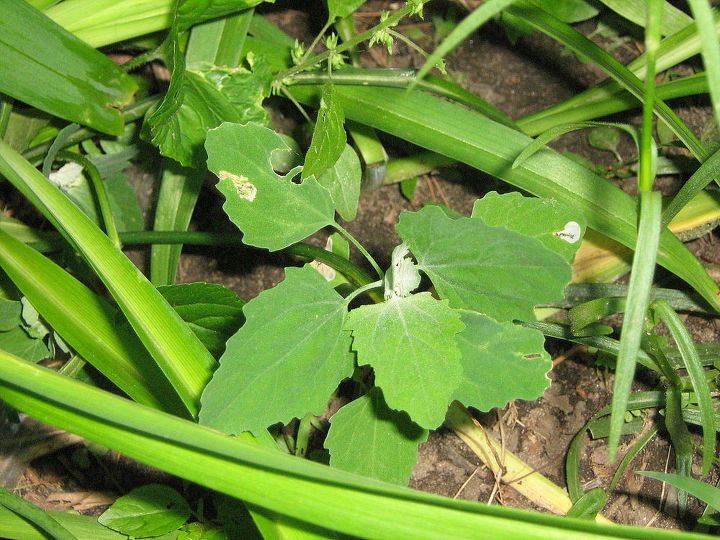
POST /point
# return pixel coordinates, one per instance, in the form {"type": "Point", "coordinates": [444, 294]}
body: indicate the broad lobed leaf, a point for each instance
{"type": "Point", "coordinates": [272, 211]}
{"type": "Point", "coordinates": [410, 343]}
{"type": "Point", "coordinates": [369, 438]}
{"type": "Point", "coordinates": [285, 361]}
{"type": "Point", "coordinates": [501, 362]}
{"type": "Point", "coordinates": [492, 270]}
{"type": "Point", "coordinates": [557, 226]}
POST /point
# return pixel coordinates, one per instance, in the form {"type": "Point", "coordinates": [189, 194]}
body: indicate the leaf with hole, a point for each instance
{"type": "Point", "coordinates": [410, 342]}
{"type": "Point", "coordinates": [285, 361]}
{"type": "Point", "coordinates": [559, 228]}
{"type": "Point", "coordinates": [271, 210]}
{"type": "Point", "coordinates": [491, 270]}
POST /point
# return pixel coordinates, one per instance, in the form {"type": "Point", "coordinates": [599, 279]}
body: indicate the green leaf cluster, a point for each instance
{"type": "Point", "coordinates": [424, 351]}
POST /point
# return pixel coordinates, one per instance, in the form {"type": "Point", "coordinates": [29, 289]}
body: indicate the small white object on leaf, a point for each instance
{"type": "Point", "coordinates": [68, 176]}
{"type": "Point", "coordinates": [571, 233]}
{"type": "Point", "coordinates": [402, 277]}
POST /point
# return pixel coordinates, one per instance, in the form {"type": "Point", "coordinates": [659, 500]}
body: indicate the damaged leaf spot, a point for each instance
{"type": "Point", "coordinates": [244, 188]}
{"type": "Point", "coordinates": [571, 233]}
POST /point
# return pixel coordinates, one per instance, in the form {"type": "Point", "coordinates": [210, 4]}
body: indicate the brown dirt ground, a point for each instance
{"type": "Point", "coordinates": [519, 80]}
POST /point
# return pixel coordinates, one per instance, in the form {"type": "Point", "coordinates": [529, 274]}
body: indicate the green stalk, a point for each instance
{"type": "Point", "coordinates": [181, 356]}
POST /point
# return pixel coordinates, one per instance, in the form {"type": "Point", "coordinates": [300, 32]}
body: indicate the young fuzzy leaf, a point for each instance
{"type": "Point", "coordinates": [410, 343]}
{"type": "Point", "coordinates": [213, 312]}
{"type": "Point", "coordinates": [492, 270]}
{"type": "Point", "coordinates": [271, 210]}
{"type": "Point", "coordinates": [343, 181]}
{"type": "Point", "coordinates": [329, 138]}
{"type": "Point", "coordinates": [149, 510]}
{"type": "Point", "coordinates": [501, 362]}
{"type": "Point", "coordinates": [368, 438]}
{"type": "Point", "coordinates": [291, 346]}
{"type": "Point", "coordinates": [559, 228]}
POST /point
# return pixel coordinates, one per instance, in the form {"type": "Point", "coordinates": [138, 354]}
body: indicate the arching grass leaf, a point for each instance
{"type": "Point", "coordinates": [501, 362]}
{"type": "Point", "coordinates": [285, 361]}
{"type": "Point", "coordinates": [271, 210]}
{"type": "Point", "coordinates": [411, 344]}
{"type": "Point", "coordinates": [492, 270]}
{"type": "Point", "coordinates": [368, 438]}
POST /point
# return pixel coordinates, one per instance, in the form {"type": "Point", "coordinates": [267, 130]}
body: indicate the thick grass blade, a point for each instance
{"type": "Point", "coordinates": [710, 495]}
{"type": "Point", "coordinates": [177, 351]}
{"type": "Point", "coordinates": [611, 104]}
{"type": "Point", "coordinates": [179, 191]}
{"type": "Point", "coordinates": [89, 324]}
{"type": "Point", "coordinates": [467, 26]}
{"type": "Point", "coordinates": [32, 513]}
{"type": "Point", "coordinates": [281, 483]}
{"type": "Point", "coordinates": [481, 143]}
{"type": "Point", "coordinates": [673, 19]}
{"type": "Point", "coordinates": [710, 48]}
{"type": "Point", "coordinates": [87, 87]}
{"type": "Point", "coordinates": [643, 270]}
{"type": "Point", "coordinates": [695, 370]}
{"type": "Point", "coordinates": [574, 40]}
{"type": "Point", "coordinates": [83, 527]}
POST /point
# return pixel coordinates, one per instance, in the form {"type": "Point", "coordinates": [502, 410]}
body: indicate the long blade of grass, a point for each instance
{"type": "Point", "coordinates": [467, 26]}
{"type": "Point", "coordinates": [178, 352]}
{"type": "Point", "coordinates": [710, 495]}
{"type": "Point", "coordinates": [481, 143]}
{"type": "Point", "coordinates": [87, 86]}
{"type": "Point", "coordinates": [14, 526]}
{"type": "Point", "coordinates": [673, 19]}
{"type": "Point", "coordinates": [33, 514]}
{"type": "Point", "coordinates": [301, 489]}
{"type": "Point", "coordinates": [643, 270]}
{"type": "Point", "coordinates": [710, 48]}
{"type": "Point", "coordinates": [695, 370]}
{"type": "Point", "coordinates": [574, 40]}
{"type": "Point", "coordinates": [179, 191]}
{"type": "Point", "coordinates": [88, 323]}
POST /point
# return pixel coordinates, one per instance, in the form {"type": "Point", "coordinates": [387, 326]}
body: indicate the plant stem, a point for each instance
{"type": "Point", "coordinates": [303, 435]}
{"type": "Point", "coordinates": [358, 245]}
{"type": "Point", "coordinates": [316, 40]}
{"type": "Point", "coordinates": [357, 292]}
{"type": "Point", "coordinates": [306, 64]}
